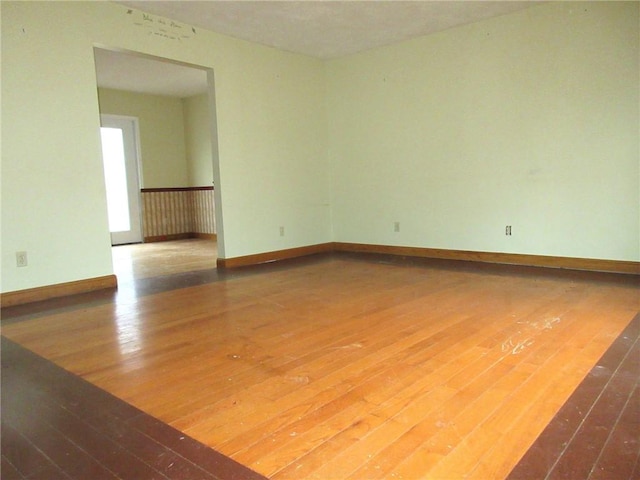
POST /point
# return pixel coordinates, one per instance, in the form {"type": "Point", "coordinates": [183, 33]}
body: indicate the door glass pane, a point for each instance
{"type": "Point", "coordinates": [116, 179]}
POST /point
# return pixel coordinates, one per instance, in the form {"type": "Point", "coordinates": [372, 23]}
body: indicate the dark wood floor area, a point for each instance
{"type": "Point", "coordinates": [596, 433]}
{"type": "Point", "coordinates": [57, 425]}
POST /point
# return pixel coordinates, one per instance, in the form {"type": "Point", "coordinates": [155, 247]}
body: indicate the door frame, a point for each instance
{"type": "Point", "coordinates": [133, 188]}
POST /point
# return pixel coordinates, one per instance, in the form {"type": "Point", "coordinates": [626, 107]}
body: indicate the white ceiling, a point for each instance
{"type": "Point", "coordinates": [143, 74]}
{"type": "Point", "coordinates": [322, 29]}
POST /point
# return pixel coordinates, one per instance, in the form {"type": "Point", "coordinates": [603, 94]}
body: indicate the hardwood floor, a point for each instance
{"type": "Point", "coordinates": [596, 433]}
{"type": "Point", "coordinates": [57, 426]}
{"type": "Point", "coordinates": [145, 260]}
{"type": "Point", "coordinates": [342, 367]}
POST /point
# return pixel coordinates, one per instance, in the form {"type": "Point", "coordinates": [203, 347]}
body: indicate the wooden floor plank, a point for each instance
{"type": "Point", "coordinates": [621, 452]}
{"type": "Point", "coordinates": [553, 441]}
{"type": "Point", "coordinates": [57, 426]}
{"type": "Point", "coordinates": [349, 369]}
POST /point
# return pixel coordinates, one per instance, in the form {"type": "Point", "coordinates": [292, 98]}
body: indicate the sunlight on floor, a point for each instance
{"type": "Point", "coordinates": [145, 260]}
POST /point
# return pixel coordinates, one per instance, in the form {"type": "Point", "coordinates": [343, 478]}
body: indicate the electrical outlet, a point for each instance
{"type": "Point", "coordinates": [282, 231]}
{"type": "Point", "coordinates": [21, 259]}
{"type": "Point", "coordinates": [396, 226]}
{"type": "Point", "coordinates": [507, 230]}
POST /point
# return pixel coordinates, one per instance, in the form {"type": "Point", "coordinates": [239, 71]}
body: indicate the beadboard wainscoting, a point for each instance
{"type": "Point", "coordinates": [175, 213]}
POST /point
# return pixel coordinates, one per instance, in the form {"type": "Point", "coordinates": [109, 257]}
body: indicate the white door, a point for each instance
{"type": "Point", "coordinates": [120, 159]}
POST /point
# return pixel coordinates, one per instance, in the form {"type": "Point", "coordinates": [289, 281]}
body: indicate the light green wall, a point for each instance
{"type": "Point", "coordinates": [272, 139]}
{"type": "Point", "coordinates": [53, 200]}
{"type": "Point", "coordinates": [529, 120]}
{"type": "Point", "coordinates": [198, 140]}
{"type": "Point", "coordinates": [175, 136]}
{"type": "Point", "coordinates": [162, 134]}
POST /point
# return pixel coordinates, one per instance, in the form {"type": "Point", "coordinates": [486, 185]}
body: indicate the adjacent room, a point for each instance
{"type": "Point", "coordinates": [160, 196]}
{"type": "Point", "coordinates": [362, 240]}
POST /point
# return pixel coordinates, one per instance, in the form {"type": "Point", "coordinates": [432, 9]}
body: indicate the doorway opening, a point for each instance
{"type": "Point", "coordinates": [171, 107]}
{"type": "Point", "coordinates": [120, 159]}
